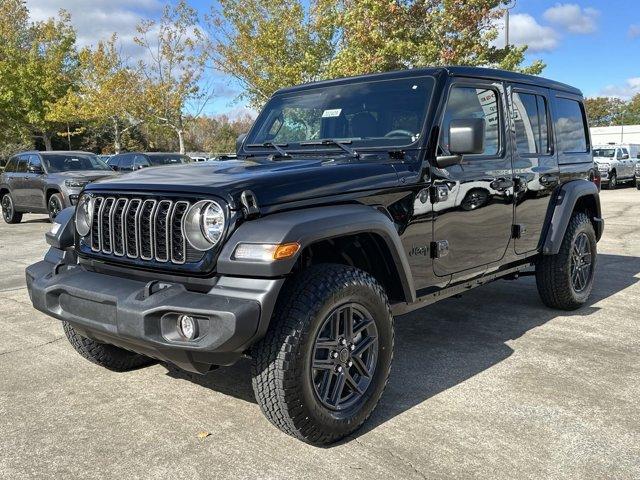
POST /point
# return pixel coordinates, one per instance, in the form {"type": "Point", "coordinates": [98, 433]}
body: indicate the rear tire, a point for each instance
{"type": "Point", "coordinates": [9, 211]}
{"type": "Point", "coordinates": [309, 370]}
{"type": "Point", "coordinates": [54, 206]}
{"type": "Point", "coordinates": [103, 354]}
{"type": "Point", "coordinates": [565, 280]}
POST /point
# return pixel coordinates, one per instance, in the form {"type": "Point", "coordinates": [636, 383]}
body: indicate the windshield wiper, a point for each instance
{"type": "Point", "coordinates": [281, 151]}
{"type": "Point", "coordinates": [337, 143]}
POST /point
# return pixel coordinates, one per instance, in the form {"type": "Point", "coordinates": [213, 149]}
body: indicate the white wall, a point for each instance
{"type": "Point", "coordinates": [617, 134]}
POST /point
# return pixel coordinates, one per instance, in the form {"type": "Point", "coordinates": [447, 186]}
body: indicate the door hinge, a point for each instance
{"type": "Point", "coordinates": [518, 230]}
{"type": "Point", "coordinates": [439, 249]}
{"type": "Point", "coordinates": [439, 193]}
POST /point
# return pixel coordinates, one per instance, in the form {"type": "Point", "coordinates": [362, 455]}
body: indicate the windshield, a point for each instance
{"type": "Point", "coordinates": [168, 159]}
{"type": "Point", "coordinates": [71, 162]}
{"type": "Point", "coordinates": [387, 113]}
{"type": "Point", "coordinates": [604, 152]}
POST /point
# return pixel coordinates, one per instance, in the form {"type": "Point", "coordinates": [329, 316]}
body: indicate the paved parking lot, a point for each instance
{"type": "Point", "coordinates": [491, 385]}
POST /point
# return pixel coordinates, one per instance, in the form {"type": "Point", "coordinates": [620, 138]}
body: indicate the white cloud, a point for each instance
{"type": "Point", "coordinates": [634, 31]}
{"type": "Point", "coordinates": [625, 91]}
{"type": "Point", "coordinates": [98, 19]}
{"type": "Point", "coordinates": [525, 30]}
{"type": "Point", "coordinates": [573, 18]}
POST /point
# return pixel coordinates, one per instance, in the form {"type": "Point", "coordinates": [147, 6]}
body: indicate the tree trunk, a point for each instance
{"type": "Point", "coordinates": [116, 137]}
{"type": "Point", "coordinates": [46, 138]}
{"type": "Point", "coordinates": [180, 133]}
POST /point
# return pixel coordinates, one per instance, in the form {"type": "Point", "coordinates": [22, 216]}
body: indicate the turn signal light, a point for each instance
{"type": "Point", "coordinates": [265, 252]}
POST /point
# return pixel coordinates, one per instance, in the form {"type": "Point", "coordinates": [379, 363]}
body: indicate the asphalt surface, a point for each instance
{"type": "Point", "coordinates": [491, 385]}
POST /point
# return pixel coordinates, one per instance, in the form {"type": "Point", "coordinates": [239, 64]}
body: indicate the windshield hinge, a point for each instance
{"type": "Point", "coordinates": [249, 204]}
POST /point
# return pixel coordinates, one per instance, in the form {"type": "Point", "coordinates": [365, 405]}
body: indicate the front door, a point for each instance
{"type": "Point", "coordinates": [535, 163]}
{"type": "Point", "coordinates": [472, 225]}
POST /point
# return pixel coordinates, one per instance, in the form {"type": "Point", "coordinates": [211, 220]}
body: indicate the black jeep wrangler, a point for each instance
{"type": "Point", "coordinates": [351, 202]}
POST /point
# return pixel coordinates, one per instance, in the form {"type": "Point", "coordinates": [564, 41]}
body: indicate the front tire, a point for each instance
{"type": "Point", "coordinates": [565, 280]}
{"type": "Point", "coordinates": [54, 206]}
{"type": "Point", "coordinates": [9, 213]}
{"type": "Point", "coordinates": [324, 363]}
{"type": "Point", "coordinates": [103, 354]}
{"type": "Point", "coordinates": [613, 181]}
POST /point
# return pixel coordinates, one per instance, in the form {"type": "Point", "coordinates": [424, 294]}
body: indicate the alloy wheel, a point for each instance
{"type": "Point", "coordinates": [54, 207]}
{"type": "Point", "coordinates": [7, 208]}
{"type": "Point", "coordinates": [344, 357]}
{"type": "Point", "coordinates": [581, 262]}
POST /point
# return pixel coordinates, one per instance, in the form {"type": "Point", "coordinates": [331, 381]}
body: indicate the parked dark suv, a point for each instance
{"type": "Point", "coordinates": [128, 162]}
{"type": "Point", "coordinates": [351, 202]}
{"type": "Point", "coordinates": [46, 182]}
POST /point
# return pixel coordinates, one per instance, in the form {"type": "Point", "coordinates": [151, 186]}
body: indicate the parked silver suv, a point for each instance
{"type": "Point", "coordinates": [46, 182]}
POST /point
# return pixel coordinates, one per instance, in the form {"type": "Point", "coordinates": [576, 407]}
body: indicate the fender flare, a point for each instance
{"type": "Point", "coordinates": [308, 226]}
{"type": "Point", "coordinates": [565, 202]}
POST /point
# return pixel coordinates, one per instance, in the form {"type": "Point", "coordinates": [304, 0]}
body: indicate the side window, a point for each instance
{"type": "Point", "coordinates": [570, 127]}
{"type": "Point", "coordinates": [126, 162]}
{"type": "Point", "coordinates": [34, 162]}
{"type": "Point", "coordinates": [11, 165]}
{"type": "Point", "coordinates": [619, 153]}
{"type": "Point", "coordinates": [114, 161]}
{"type": "Point", "coordinates": [21, 167]}
{"type": "Point", "coordinates": [470, 102]}
{"type": "Point", "coordinates": [625, 152]}
{"type": "Point", "coordinates": [530, 119]}
{"type": "Point", "coordinates": [140, 161]}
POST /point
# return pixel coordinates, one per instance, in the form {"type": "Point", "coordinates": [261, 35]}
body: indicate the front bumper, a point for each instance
{"type": "Point", "coordinates": [141, 317]}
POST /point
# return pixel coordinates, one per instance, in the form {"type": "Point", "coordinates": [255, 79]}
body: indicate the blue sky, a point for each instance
{"type": "Point", "coordinates": [591, 44]}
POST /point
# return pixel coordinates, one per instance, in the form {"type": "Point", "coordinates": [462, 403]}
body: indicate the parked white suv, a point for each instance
{"type": "Point", "coordinates": [616, 163]}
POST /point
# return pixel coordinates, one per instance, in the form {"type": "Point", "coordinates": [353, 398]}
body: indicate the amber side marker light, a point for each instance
{"type": "Point", "coordinates": [265, 252]}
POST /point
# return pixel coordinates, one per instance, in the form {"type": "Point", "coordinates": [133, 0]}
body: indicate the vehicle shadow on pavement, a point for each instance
{"type": "Point", "coordinates": [442, 345]}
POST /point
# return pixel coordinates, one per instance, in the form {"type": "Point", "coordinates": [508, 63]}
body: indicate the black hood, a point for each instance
{"type": "Point", "coordinates": [273, 182]}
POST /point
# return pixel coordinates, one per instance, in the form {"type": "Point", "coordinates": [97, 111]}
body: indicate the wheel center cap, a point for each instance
{"type": "Point", "coordinates": [344, 355]}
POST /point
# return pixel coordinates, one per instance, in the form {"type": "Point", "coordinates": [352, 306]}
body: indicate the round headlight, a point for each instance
{"type": "Point", "coordinates": [84, 215]}
{"type": "Point", "coordinates": [204, 224]}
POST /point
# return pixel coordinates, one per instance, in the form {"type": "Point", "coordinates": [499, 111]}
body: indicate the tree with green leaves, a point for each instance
{"type": "Point", "coordinates": [604, 111]}
{"type": "Point", "coordinates": [269, 44]}
{"type": "Point", "coordinates": [108, 92]}
{"type": "Point", "coordinates": [47, 72]}
{"type": "Point", "coordinates": [177, 56]}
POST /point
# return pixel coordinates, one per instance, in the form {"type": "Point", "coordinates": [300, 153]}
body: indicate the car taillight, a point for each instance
{"type": "Point", "coordinates": [594, 176]}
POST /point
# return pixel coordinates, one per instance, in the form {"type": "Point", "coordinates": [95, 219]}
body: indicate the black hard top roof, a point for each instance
{"type": "Point", "coordinates": [476, 72]}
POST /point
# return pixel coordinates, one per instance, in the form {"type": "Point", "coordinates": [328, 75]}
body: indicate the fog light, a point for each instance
{"type": "Point", "coordinates": [188, 327]}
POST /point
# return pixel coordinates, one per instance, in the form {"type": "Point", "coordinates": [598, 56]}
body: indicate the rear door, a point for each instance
{"type": "Point", "coordinates": [34, 182]}
{"type": "Point", "coordinates": [18, 187]}
{"type": "Point", "coordinates": [536, 172]}
{"type": "Point", "coordinates": [475, 220]}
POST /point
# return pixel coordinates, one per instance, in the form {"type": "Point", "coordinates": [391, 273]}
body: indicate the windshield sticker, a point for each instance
{"type": "Point", "coordinates": [332, 113]}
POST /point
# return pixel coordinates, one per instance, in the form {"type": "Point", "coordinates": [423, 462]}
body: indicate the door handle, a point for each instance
{"type": "Point", "coordinates": [501, 183]}
{"type": "Point", "coordinates": [548, 179]}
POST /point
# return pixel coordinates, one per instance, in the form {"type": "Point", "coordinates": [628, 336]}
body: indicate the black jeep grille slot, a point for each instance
{"type": "Point", "coordinates": [143, 229]}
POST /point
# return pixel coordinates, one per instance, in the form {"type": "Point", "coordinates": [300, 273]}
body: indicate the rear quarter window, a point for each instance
{"type": "Point", "coordinates": [571, 130]}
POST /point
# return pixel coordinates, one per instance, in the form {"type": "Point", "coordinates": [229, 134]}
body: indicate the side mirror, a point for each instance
{"type": "Point", "coordinates": [625, 156]}
{"type": "Point", "coordinates": [466, 136]}
{"type": "Point", "coordinates": [240, 141]}
{"type": "Point", "coordinates": [34, 169]}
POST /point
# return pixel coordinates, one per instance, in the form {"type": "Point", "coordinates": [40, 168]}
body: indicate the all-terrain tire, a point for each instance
{"type": "Point", "coordinates": [103, 354]}
{"type": "Point", "coordinates": [9, 213]}
{"type": "Point", "coordinates": [554, 272]}
{"type": "Point", "coordinates": [282, 361]}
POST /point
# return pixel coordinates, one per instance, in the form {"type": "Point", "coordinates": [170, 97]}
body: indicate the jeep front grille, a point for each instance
{"type": "Point", "coordinates": [141, 228]}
